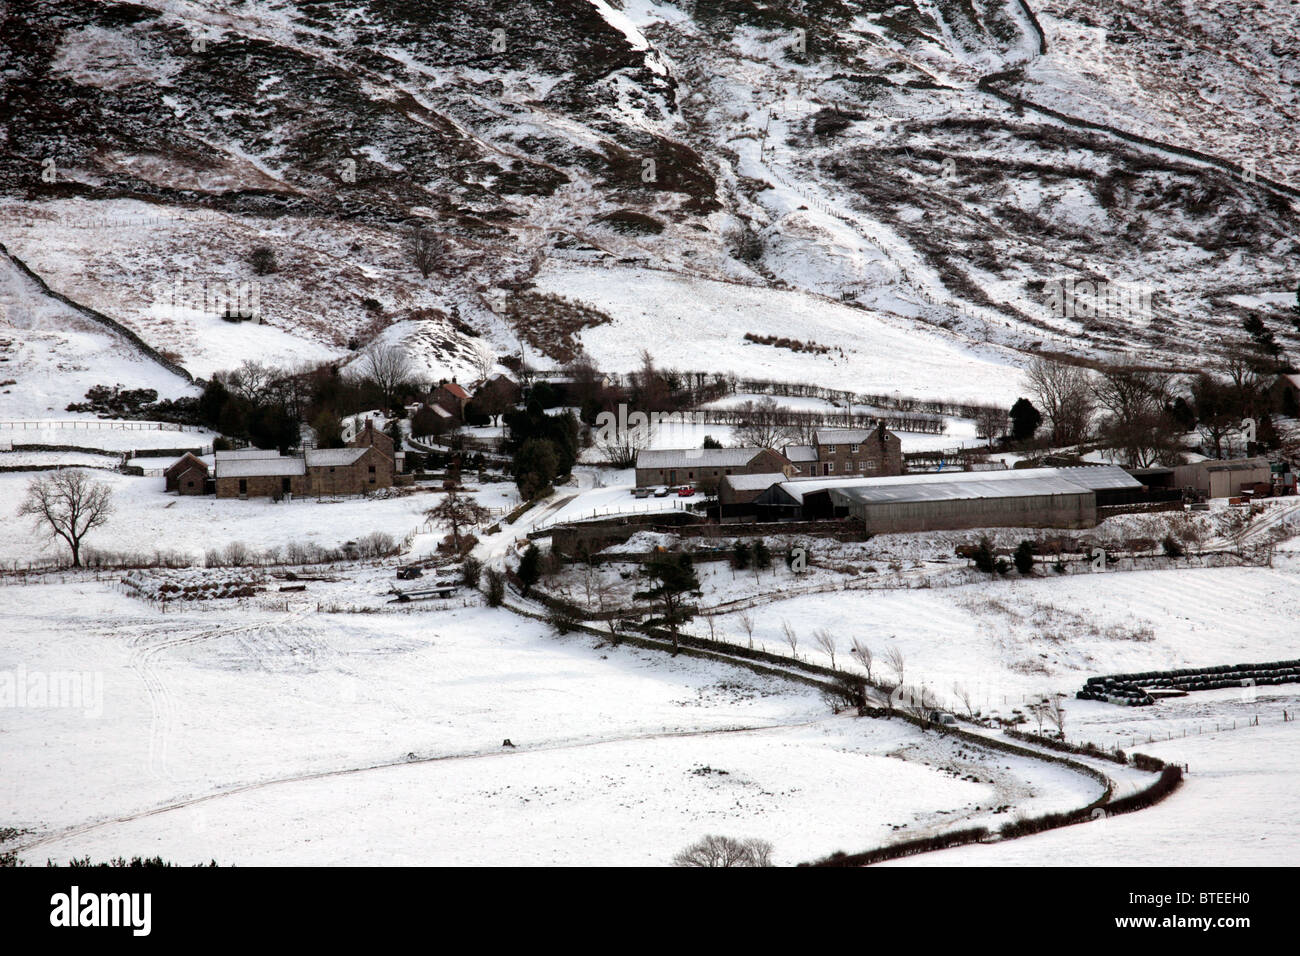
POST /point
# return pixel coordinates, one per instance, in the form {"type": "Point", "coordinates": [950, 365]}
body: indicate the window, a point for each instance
{"type": "Point", "coordinates": [372, 470]}
{"type": "Point", "coordinates": [853, 449]}
{"type": "Point", "coordinates": [830, 466]}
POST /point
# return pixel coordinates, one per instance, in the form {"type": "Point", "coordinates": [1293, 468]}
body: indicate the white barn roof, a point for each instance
{"type": "Point", "coordinates": [260, 467]}
{"type": "Point", "coordinates": [695, 457]}
{"type": "Point", "coordinates": [327, 457]}
{"type": "Point", "coordinates": [908, 487]}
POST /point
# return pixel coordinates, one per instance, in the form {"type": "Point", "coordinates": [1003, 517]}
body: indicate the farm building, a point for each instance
{"type": "Point", "coordinates": [848, 451]}
{"type": "Point", "coordinates": [367, 464]}
{"type": "Point", "coordinates": [680, 466]}
{"type": "Point", "coordinates": [188, 475]}
{"type": "Point", "coordinates": [1224, 479]}
{"type": "Point", "coordinates": [1032, 497]}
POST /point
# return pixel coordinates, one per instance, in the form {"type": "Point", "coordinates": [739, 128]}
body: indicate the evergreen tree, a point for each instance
{"type": "Point", "coordinates": [530, 568]}
{"type": "Point", "coordinates": [672, 576]}
{"type": "Point", "coordinates": [1024, 557]}
{"type": "Point", "coordinates": [1025, 420]}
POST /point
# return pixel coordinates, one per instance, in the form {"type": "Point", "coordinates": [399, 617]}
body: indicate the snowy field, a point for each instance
{"type": "Point", "coordinates": [312, 738]}
{"type": "Point", "coordinates": [148, 518]}
{"type": "Point", "coordinates": [53, 354]}
{"type": "Point", "coordinates": [1236, 808]}
{"type": "Point", "coordinates": [1006, 640]}
{"type": "Point", "coordinates": [103, 435]}
{"type": "Point", "coordinates": [881, 353]}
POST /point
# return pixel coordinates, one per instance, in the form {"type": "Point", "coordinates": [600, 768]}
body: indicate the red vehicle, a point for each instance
{"type": "Point", "coordinates": [685, 492]}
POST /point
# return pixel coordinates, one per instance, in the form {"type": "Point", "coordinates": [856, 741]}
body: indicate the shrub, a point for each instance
{"type": "Point", "coordinates": [740, 555]}
{"type": "Point", "coordinates": [377, 544]}
{"type": "Point", "coordinates": [562, 617]}
{"type": "Point", "coordinates": [496, 588]}
{"type": "Point", "coordinates": [983, 556]}
{"type": "Point", "coordinates": [471, 572]}
{"type": "Point", "coordinates": [762, 555]}
{"type": "Point", "coordinates": [262, 259]}
{"type": "Point", "coordinates": [1172, 546]}
{"type": "Point", "coordinates": [725, 851]}
{"type": "Point", "coordinates": [1024, 557]}
{"type": "Point", "coordinates": [530, 568]}
{"type": "Point", "coordinates": [236, 554]}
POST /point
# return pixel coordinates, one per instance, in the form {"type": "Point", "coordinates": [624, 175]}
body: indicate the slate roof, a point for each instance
{"type": "Point", "coordinates": [695, 457]}
{"type": "Point", "coordinates": [330, 457]}
{"type": "Point", "coordinates": [260, 467]}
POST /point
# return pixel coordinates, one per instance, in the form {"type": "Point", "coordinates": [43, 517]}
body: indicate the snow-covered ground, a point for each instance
{"type": "Point", "coordinates": [104, 435]}
{"type": "Point", "coordinates": [872, 351]}
{"type": "Point", "coordinates": [148, 518]}
{"type": "Point", "coordinates": [1006, 641]}
{"type": "Point", "coordinates": [1236, 807]}
{"type": "Point", "coordinates": [300, 737]}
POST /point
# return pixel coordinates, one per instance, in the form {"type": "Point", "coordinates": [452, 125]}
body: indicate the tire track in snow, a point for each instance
{"type": "Point", "coordinates": [82, 829]}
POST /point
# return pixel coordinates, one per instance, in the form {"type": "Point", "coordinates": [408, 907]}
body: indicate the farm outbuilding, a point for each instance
{"type": "Point", "coordinates": [964, 501]}
{"type": "Point", "coordinates": [1224, 479]}
{"type": "Point", "coordinates": [1031, 497]}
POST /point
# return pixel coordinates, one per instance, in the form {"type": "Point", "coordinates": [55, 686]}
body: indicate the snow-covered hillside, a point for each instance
{"type": "Point", "coordinates": [897, 158]}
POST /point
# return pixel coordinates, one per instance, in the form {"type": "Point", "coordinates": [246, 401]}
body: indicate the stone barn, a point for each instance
{"type": "Point", "coordinates": [686, 466]}
{"type": "Point", "coordinates": [188, 475]}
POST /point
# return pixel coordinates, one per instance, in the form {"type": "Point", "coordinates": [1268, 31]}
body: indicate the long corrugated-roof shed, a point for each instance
{"type": "Point", "coordinates": [957, 489]}
{"type": "Point", "coordinates": [1087, 477]}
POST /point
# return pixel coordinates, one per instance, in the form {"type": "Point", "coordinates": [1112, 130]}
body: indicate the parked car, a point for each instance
{"type": "Point", "coordinates": [407, 573]}
{"type": "Point", "coordinates": [661, 491]}
{"type": "Point", "coordinates": [685, 492]}
{"type": "Point", "coordinates": [641, 492]}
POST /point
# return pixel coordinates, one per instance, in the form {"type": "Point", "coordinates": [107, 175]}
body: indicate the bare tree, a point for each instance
{"type": "Point", "coordinates": [458, 512]}
{"type": "Point", "coordinates": [387, 367]}
{"type": "Point", "coordinates": [710, 618]}
{"type": "Point", "coordinates": [1064, 396]}
{"type": "Point", "coordinates": [791, 637]}
{"type": "Point", "coordinates": [484, 363]}
{"type": "Point", "coordinates": [894, 658]}
{"type": "Point", "coordinates": [428, 251]}
{"type": "Point", "coordinates": [864, 655]}
{"type": "Point", "coordinates": [963, 694]}
{"type": "Point", "coordinates": [747, 622]}
{"type": "Point", "coordinates": [760, 425]}
{"type": "Point", "coordinates": [1056, 714]}
{"type": "Point", "coordinates": [915, 702]}
{"type": "Point", "coordinates": [620, 446]}
{"type": "Point", "coordinates": [1038, 710]}
{"type": "Point", "coordinates": [251, 380]}
{"type": "Point", "coordinates": [725, 851]}
{"type": "Point", "coordinates": [991, 423]}
{"type": "Point", "coordinates": [1136, 425]}
{"type": "Point", "coordinates": [68, 504]}
{"type": "Point", "coordinates": [826, 641]}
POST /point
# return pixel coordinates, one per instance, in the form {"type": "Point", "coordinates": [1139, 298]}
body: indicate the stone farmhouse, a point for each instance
{"type": "Point", "coordinates": [368, 463]}
{"type": "Point", "coordinates": [869, 452]}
